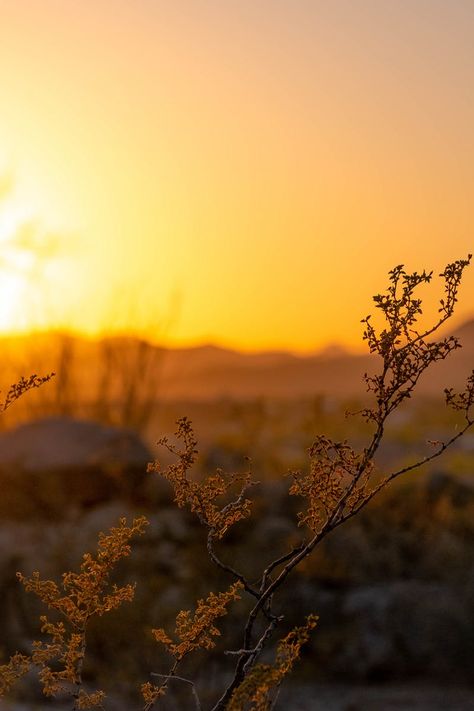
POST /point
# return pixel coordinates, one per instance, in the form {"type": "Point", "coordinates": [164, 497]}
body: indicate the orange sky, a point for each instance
{"type": "Point", "coordinates": [238, 172]}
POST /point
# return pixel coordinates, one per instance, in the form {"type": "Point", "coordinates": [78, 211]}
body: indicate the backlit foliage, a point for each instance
{"type": "Point", "coordinates": [202, 497]}
{"type": "Point", "coordinates": [18, 666]}
{"type": "Point", "coordinates": [257, 690]}
{"type": "Point", "coordinates": [337, 484]}
{"type": "Point", "coordinates": [340, 481]}
{"type": "Point", "coordinates": [21, 387]}
{"type": "Point", "coordinates": [334, 467]}
{"type": "Point", "coordinates": [197, 631]}
{"type": "Point", "coordinates": [192, 632]}
{"type": "Point", "coordinates": [79, 597]}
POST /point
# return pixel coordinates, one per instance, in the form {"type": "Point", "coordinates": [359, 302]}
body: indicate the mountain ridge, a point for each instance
{"type": "Point", "coordinates": [210, 371]}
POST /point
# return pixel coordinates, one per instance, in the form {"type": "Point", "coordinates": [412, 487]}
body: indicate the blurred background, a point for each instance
{"type": "Point", "coordinates": [197, 202]}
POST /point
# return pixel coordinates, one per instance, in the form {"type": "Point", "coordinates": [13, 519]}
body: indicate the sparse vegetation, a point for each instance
{"type": "Point", "coordinates": [338, 483]}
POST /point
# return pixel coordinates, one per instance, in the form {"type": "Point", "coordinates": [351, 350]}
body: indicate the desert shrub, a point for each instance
{"type": "Point", "coordinates": [338, 483]}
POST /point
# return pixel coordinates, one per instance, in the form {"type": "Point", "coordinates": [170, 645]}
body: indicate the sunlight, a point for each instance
{"type": "Point", "coordinates": [12, 296]}
{"type": "Point", "coordinates": [20, 268]}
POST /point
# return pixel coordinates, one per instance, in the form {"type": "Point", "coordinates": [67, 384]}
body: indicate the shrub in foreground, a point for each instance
{"type": "Point", "coordinates": [338, 483]}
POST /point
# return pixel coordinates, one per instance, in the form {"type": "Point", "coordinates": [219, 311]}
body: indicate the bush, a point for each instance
{"type": "Point", "coordinates": [338, 483]}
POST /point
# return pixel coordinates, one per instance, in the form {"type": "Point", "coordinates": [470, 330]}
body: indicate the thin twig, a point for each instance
{"type": "Point", "coordinates": [186, 681]}
{"type": "Point", "coordinates": [227, 568]}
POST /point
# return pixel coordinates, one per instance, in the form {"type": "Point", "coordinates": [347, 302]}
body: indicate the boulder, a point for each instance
{"type": "Point", "coordinates": [407, 628]}
{"type": "Point", "coordinates": [52, 465]}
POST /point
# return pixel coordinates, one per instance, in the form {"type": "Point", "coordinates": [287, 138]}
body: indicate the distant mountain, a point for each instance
{"type": "Point", "coordinates": [245, 376]}
{"type": "Point", "coordinates": [209, 372]}
{"type": "Point", "coordinates": [465, 333]}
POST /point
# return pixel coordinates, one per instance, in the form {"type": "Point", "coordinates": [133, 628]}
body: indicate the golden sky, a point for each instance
{"type": "Point", "coordinates": [238, 172]}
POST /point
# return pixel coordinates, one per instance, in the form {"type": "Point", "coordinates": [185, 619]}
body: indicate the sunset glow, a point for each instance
{"type": "Point", "coordinates": [242, 173]}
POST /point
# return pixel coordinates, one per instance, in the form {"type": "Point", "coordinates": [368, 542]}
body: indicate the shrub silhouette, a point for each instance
{"type": "Point", "coordinates": [120, 392]}
{"type": "Point", "coordinates": [340, 481]}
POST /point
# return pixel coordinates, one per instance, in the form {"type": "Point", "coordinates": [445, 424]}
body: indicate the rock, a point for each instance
{"type": "Point", "coordinates": [50, 466]}
{"type": "Point", "coordinates": [406, 628]}
{"type": "Point", "coordinates": [66, 443]}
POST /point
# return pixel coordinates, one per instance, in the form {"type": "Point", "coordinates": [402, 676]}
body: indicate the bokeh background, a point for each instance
{"type": "Point", "coordinates": [197, 202]}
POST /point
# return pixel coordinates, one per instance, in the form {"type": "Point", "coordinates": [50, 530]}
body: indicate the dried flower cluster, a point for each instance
{"type": "Point", "coordinates": [334, 467]}
{"type": "Point", "coordinates": [16, 668]}
{"type": "Point", "coordinates": [202, 497]}
{"type": "Point", "coordinates": [78, 598]}
{"type": "Point", "coordinates": [260, 685]}
{"type": "Point", "coordinates": [193, 632]}
{"type": "Point", "coordinates": [21, 387]}
{"type": "Point", "coordinates": [197, 631]}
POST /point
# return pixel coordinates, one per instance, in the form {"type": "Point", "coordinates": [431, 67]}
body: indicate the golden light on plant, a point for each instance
{"type": "Point", "coordinates": [338, 484]}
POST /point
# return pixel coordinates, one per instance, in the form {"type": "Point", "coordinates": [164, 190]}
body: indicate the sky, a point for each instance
{"type": "Point", "coordinates": [243, 173]}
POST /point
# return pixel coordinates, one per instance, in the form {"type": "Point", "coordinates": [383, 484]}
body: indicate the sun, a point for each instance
{"type": "Point", "coordinates": [12, 295]}
{"type": "Point", "coordinates": [19, 270]}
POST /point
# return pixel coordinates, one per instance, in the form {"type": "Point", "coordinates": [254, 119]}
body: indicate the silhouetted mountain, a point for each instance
{"type": "Point", "coordinates": [465, 333]}
{"type": "Point", "coordinates": [208, 372]}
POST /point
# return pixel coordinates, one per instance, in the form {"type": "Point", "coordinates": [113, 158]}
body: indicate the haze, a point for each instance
{"type": "Point", "coordinates": [244, 172]}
